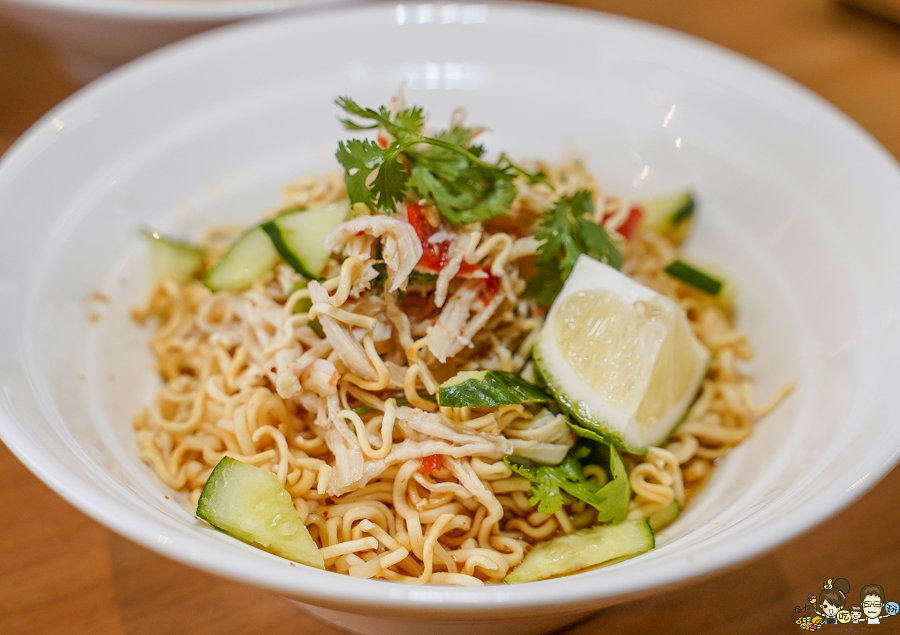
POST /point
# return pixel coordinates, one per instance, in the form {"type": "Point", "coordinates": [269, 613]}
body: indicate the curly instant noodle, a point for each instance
{"type": "Point", "coordinates": [398, 488]}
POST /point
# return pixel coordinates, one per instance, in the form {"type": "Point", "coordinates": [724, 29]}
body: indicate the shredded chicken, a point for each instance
{"type": "Point", "coordinates": [400, 246]}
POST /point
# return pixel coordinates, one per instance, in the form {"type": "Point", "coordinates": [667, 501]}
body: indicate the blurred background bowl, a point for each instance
{"type": "Point", "coordinates": [91, 37]}
{"type": "Point", "coordinates": [796, 203]}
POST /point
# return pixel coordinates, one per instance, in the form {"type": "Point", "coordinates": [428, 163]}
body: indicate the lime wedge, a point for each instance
{"type": "Point", "coordinates": [620, 357]}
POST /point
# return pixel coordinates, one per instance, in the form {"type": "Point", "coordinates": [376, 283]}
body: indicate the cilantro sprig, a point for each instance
{"type": "Point", "coordinates": [566, 231]}
{"type": "Point", "coordinates": [446, 169]}
{"type": "Point", "coordinates": [548, 482]}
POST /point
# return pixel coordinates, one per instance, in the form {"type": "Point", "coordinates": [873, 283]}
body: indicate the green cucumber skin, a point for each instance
{"type": "Point", "coordinates": [683, 213]}
{"type": "Point", "coordinates": [172, 257]}
{"type": "Point", "coordinates": [303, 306]}
{"type": "Point", "coordinates": [225, 504]}
{"type": "Point", "coordinates": [231, 273]}
{"type": "Point", "coordinates": [156, 237]}
{"type": "Point", "coordinates": [670, 215]}
{"type": "Point", "coordinates": [664, 517]}
{"type": "Point", "coordinates": [206, 503]}
{"type": "Point", "coordinates": [316, 222]}
{"type": "Point", "coordinates": [494, 388]}
{"type": "Point", "coordinates": [237, 271]}
{"type": "Point", "coordinates": [694, 277]}
{"type": "Point", "coordinates": [584, 549]}
{"type": "Point", "coordinates": [274, 233]}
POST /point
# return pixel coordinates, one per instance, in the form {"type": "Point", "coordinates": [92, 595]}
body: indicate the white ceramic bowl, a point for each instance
{"type": "Point", "coordinates": [796, 202]}
{"type": "Point", "coordinates": [92, 37]}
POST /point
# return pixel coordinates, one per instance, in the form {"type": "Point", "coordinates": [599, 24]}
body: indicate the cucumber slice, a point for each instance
{"type": "Point", "coordinates": [694, 277]}
{"type": "Point", "coordinates": [661, 519]}
{"type": "Point", "coordinates": [487, 389]}
{"type": "Point", "coordinates": [670, 215]}
{"type": "Point", "coordinates": [705, 281]}
{"type": "Point", "coordinates": [173, 258]}
{"type": "Point", "coordinates": [251, 504]}
{"type": "Point", "coordinates": [582, 549]}
{"type": "Point", "coordinates": [246, 261]}
{"type": "Point", "coordinates": [297, 236]}
{"type": "Point", "coordinates": [303, 304]}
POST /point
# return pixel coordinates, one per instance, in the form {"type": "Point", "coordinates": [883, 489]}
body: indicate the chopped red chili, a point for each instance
{"type": "Point", "coordinates": [466, 268]}
{"type": "Point", "coordinates": [434, 255]}
{"type": "Point", "coordinates": [432, 463]}
{"type": "Point", "coordinates": [491, 287]}
{"type": "Point", "coordinates": [629, 226]}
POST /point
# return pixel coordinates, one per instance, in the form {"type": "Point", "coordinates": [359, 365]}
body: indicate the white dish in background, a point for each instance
{"type": "Point", "coordinates": [92, 37]}
{"type": "Point", "coordinates": [796, 202]}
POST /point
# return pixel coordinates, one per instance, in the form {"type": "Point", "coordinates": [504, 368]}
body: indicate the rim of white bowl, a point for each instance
{"type": "Point", "coordinates": [180, 10]}
{"type": "Point", "coordinates": [324, 588]}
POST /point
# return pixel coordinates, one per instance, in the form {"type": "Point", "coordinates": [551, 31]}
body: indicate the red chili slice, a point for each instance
{"type": "Point", "coordinates": [434, 255]}
{"type": "Point", "coordinates": [432, 463]}
{"type": "Point", "coordinates": [491, 287]}
{"type": "Point", "coordinates": [630, 225]}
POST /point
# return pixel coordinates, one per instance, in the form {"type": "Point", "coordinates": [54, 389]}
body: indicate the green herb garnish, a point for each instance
{"type": "Point", "coordinates": [488, 389]}
{"type": "Point", "coordinates": [550, 481]}
{"type": "Point", "coordinates": [421, 277]}
{"type": "Point", "coordinates": [449, 172]}
{"type": "Point", "coordinates": [566, 231]}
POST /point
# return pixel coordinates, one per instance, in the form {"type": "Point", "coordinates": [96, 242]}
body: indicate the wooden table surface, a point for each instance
{"type": "Point", "coordinates": [62, 573]}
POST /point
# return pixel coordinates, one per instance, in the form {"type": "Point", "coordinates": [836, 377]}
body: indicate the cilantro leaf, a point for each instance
{"type": "Point", "coordinates": [469, 196]}
{"type": "Point", "coordinates": [567, 231]}
{"type": "Point", "coordinates": [617, 488]}
{"type": "Point", "coordinates": [462, 190]}
{"type": "Point", "coordinates": [550, 481]}
{"type": "Point", "coordinates": [405, 123]}
{"type": "Point", "coordinates": [421, 277]}
{"type": "Point", "coordinates": [598, 243]}
{"type": "Point", "coordinates": [587, 433]}
{"type": "Point", "coordinates": [493, 200]}
{"type": "Point", "coordinates": [447, 170]}
{"type": "Point", "coordinates": [462, 136]}
{"type": "Point", "coordinates": [544, 287]}
{"type": "Point", "coordinates": [379, 280]}
{"type": "Point", "coordinates": [362, 158]}
{"type": "Point", "coordinates": [415, 276]}
{"type": "Point", "coordinates": [429, 186]}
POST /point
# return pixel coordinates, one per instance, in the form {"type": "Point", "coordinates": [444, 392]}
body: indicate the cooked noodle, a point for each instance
{"type": "Point", "coordinates": [245, 376]}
